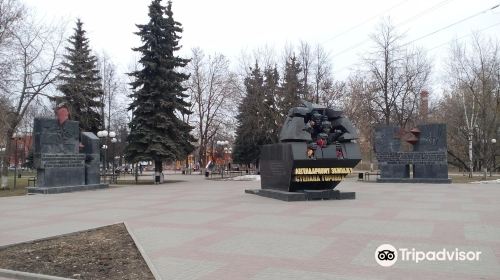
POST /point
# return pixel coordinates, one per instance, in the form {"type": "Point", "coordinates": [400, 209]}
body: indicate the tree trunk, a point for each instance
{"type": "Point", "coordinates": [6, 158]}
{"type": "Point", "coordinates": [202, 154]}
{"type": "Point", "coordinates": [158, 171]}
{"type": "Point", "coordinates": [471, 166]}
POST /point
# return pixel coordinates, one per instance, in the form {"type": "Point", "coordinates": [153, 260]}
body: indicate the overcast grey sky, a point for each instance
{"type": "Point", "coordinates": [230, 26]}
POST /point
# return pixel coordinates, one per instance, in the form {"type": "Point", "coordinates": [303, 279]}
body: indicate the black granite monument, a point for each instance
{"type": "Point", "coordinates": [66, 160]}
{"type": "Point", "coordinates": [317, 150]}
{"type": "Point", "coordinates": [427, 159]}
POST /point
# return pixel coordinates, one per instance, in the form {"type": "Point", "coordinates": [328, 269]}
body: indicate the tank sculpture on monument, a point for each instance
{"type": "Point", "coordinates": [317, 150]}
{"type": "Point", "coordinates": [66, 159]}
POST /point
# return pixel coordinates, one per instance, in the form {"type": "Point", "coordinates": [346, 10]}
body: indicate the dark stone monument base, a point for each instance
{"type": "Point", "coordinates": [415, 180]}
{"type": "Point", "coordinates": [52, 190]}
{"type": "Point", "coordinates": [303, 196]}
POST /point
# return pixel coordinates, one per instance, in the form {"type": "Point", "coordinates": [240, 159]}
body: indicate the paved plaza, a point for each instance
{"type": "Point", "coordinates": [203, 229]}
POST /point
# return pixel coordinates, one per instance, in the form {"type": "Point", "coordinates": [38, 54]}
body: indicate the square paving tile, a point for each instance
{"type": "Point", "coordinates": [482, 232]}
{"type": "Point", "coordinates": [7, 223]}
{"type": "Point", "coordinates": [276, 222]}
{"type": "Point", "coordinates": [386, 228]}
{"type": "Point", "coordinates": [111, 215]}
{"type": "Point", "coordinates": [52, 229]}
{"type": "Point", "coordinates": [184, 269]}
{"type": "Point", "coordinates": [277, 273]}
{"type": "Point", "coordinates": [186, 217]}
{"type": "Point", "coordinates": [47, 211]}
{"type": "Point", "coordinates": [438, 215]}
{"type": "Point", "coordinates": [190, 205]}
{"type": "Point", "coordinates": [340, 211]}
{"type": "Point", "coordinates": [407, 204]}
{"type": "Point", "coordinates": [481, 207]}
{"type": "Point", "coordinates": [301, 247]}
{"type": "Point", "coordinates": [258, 208]}
{"type": "Point", "coordinates": [158, 238]}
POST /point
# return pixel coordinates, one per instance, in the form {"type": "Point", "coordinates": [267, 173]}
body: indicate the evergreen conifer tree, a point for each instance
{"type": "Point", "coordinates": [249, 133]}
{"type": "Point", "coordinates": [156, 132]}
{"type": "Point", "coordinates": [80, 82]}
{"type": "Point", "coordinates": [291, 86]}
{"type": "Point", "coordinates": [270, 115]}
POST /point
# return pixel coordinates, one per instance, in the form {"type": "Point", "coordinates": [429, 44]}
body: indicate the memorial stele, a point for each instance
{"type": "Point", "coordinates": [66, 159]}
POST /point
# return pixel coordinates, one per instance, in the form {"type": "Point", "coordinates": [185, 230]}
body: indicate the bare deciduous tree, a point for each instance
{"type": "Point", "coordinates": [35, 51]}
{"type": "Point", "coordinates": [326, 90]}
{"type": "Point", "coordinates": [397, 74]}
{"type": "Point", "coordinates": [111, 86]}
{"type": "Point", "coordinates": [211, 88]}
{"type": "Point", "coordinates": [11, 14]}
{"type": "Point", "coordinates": [474, 81]}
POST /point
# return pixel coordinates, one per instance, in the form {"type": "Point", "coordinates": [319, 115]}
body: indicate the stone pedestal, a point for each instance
{"type": "Point", "coordinates": [304, 195]}
{"type": "Point", "coordinates": [90, 148]}
{"type": "Point", "coordinates": [285, 167]}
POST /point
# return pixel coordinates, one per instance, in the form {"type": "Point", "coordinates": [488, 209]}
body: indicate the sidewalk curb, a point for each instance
{"type": "Point", "coordinates": [148, 261]}
{"type": "Point", "coordinates": [56, 236]}
{"type": "Point", "coordinates": [13, 274]}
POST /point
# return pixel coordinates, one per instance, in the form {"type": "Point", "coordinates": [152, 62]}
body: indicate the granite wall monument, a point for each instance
{"type": "Point", "coordinates": [426, 159]}
{"type": "Point", "coordinates": [65, 159]}
{"type": "Point", "coordinates": [317, 150]}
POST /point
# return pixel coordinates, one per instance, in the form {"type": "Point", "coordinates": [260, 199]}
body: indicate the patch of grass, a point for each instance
{"type": "Point", "coordinates": [475, 178]}
{"type": "Point", "coordinates": [21, 185]}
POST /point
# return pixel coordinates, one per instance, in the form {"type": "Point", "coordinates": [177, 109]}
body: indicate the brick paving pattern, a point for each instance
{"type": "Point", "coordinates": [202, 229]}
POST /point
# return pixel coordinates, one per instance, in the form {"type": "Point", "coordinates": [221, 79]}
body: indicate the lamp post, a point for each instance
{"type": "Point", "coordinates": [105, 135]}
{"type": "Point", "coordinates": [3, 183]}
{"type": "Point", "coordinates": [223, 144]}
{"type": "Point", "coordinates": [102, 135]}
{"type": "Point", "coordinates": [113, 142]}
{"type": "Point", "coordinates": [493, 155]}
{"type": "Point", "coordinates": [226, 151]}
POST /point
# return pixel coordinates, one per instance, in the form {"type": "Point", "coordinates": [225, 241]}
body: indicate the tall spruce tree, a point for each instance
{"type": "Point", "coordinates": [156, 133]}
{"type": "Point", "coordinates": [80, 82]}
{"type": "Point", "coordinates": [270, 116]}
{"type": "Point", "coordinates": [291, 87]}
{"type": "Point", "coordinates": [249, 133]}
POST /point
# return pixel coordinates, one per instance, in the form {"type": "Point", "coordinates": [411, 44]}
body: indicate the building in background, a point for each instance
{"type": "Point", "coordinates": [21, 147]}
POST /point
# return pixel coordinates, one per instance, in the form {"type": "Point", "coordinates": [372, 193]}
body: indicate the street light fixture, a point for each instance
{"type": "Point", "coordinates": [104, 134]}
{"type": "Point", "coordinates": [224, 150]}
{"type": "Point", "coordinates": [113, 142]}
{"type": "Point", "coordinates": [493, 155]}
{"type": "Point", "coordinates": [222, 143]}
